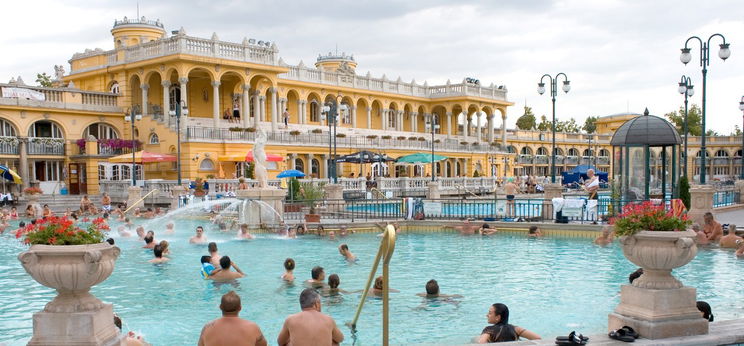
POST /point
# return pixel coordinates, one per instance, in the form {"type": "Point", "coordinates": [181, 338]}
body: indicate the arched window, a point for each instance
{"type": "Point", "coordinates": [525, 151]}
{"type": "Point", "coordinates": [175, 97]}
{"type": "Point", "coordinates": [46, 129]}
{"type": "Point", "coordinates": [721, 153]}
{"type": "Point", "coordinates": [315, 167]}
{"type": "Point", "coordinates": [587, 152]}
{"type": "Point", "coordinates": [114, 87]}
{"type": "Point", "coordinates": [314, 111]}
{"type": "Point", "coordinates": [542, 151]}
{"type": "Point", "coordinates": [738, 153]}
{"type": "Point", "coordinates": [559, 151]}
{"type": "Point", "coordinates": [573, 152]}
{"type": "Point", "coordinates": [206, 165]}
{"type": "Point", "coordinates": [604, 153]}
{"type": "Point", "coordinates": [154, 139]}
{"type": "Point", "coordinates": [299, 165]}
{"type": "Point", "coordinates": [438, 169]}
{"type": "Point", "coordinates": [100, 131]}
{"type": "Point", "coordinates": [447, 167]}
{"type": "Point", "coordinates": [7, 129]}
{"type": "Point", "coordinates": [457, 169]}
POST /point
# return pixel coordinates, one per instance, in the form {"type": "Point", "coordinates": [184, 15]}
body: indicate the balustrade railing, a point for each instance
{"type": "Point", "coordinates": [45, 146]}
{"type": "Point", "coordinates": [9, 145]}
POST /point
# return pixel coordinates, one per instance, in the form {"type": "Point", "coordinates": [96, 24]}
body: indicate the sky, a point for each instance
{"type": "Point", "coordinates": [620, 56]}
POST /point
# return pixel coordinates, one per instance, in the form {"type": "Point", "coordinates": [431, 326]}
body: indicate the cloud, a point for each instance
{"type": "Point", "coordinates": [619, 55]}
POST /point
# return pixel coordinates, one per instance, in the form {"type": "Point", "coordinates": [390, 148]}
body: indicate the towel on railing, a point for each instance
{"type": "Point", "coordinates": [573, 207]}
{"type": "Point", "coordinates": [558, 204]}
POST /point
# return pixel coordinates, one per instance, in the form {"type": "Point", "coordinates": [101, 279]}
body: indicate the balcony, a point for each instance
{"type": "Point", "coordinates": [723, 161]}
{"type": "Point", "coordinates": [8, 145]}
{"type": "Point", "coordinates": [603, 160]}
{"type": "Point", "coordinates": [572, 160]}
{"type": "Point", "coordinates": [61, 98]}
{"type": "Point", "coordinates": [542, 159]}
{"type": "Point", "coordinates": [524, 159]}
{"type": "Point", "coordinates": [45, 146]}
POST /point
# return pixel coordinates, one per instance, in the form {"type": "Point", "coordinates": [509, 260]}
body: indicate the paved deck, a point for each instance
{"type": "Point", "coordinates": [735, 216]}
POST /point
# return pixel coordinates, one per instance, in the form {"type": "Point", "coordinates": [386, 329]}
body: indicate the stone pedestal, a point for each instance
{"type": "Point", "coordinates": [335, 192]}
{"type": "Point", "coordinates": [176, 191]}
{"type": "Point", "coordinates": [701, 200]}
{"type": "Point", "coordinates": [739, 184]}
{"type": "Point", "coordinates": [658, 314]}
{"type": "Point", "coordinates": [551, 191]}
{"type": "Point", "coordinates": [134, 196]}
{"type": "Point", "coordinates": [432, 190]}
{"type": "Point", "coordinates": [262, 206]}
{"type": "Point", "coordinates": [85, 328]}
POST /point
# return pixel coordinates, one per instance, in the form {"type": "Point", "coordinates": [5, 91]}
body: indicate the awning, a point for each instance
{"type": "Point", "coordinates": [143, 157]}
{"type": "Point", "coordinates": [419, 158]}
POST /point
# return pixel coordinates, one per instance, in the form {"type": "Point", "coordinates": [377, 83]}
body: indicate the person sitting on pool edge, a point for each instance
{"type": "Point", "coordinates": [432, 291]}
{"type": "Point", "coordinates": [231, 329]}
{"type": "Point", "coordinates": [343, 249]}
{"type": "Point", "coordinates": [158, 252]}
{"type": "Point", "coordinates": [226, 274]}
{"type": "Point", "coordinates": [605, 238]}
{"type": "Point", "coordinates": [534, 232]}
{"type": "Point", "coordinates": [729, 240]}
{"type": "Point", "coordinates": [485, 229]}
{"type": "Point", "coordinates": [318, 275]}
{"type": "Point", "coordinates": [199, 238]}
{"type": "Point", "coordinates": [501, 330]}
{"type": "Point", "coordinates": [289, 266]}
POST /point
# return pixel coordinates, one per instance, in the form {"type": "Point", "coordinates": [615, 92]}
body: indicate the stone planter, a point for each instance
{"type": "Point", "coordinates": [658, 253]}
{"type": "Point", "coordinates": [74, 316]}
{"type": "Point", "coordinates": [312, 218]}
{"type": "Point", "coordinates": [33, 198]}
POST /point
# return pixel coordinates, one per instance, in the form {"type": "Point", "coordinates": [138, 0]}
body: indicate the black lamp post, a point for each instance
{"type": "Point", "coordinates": [686, 88]}
{"type": "Point", "coordinates": [741, 107]}
{"type": "Point", "coordinates": [686, 57]}
{"type": "Point", "coordinates": [331, 109]}
{"type": "Point", "coordinates": [433, 125]}
{"type": "Point", "coordinates": [181, 109]}
{"type": "Point", "coordinates": [553, 94]}
{"type": "Point", "coordinates": [132, 117]}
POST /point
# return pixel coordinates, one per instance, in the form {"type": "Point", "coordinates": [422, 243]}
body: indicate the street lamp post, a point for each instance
{"type": "Point", "coordinates": [686, 88]}
{"type": "Point", "coordinates": [181, 109]}
{"type": "Point", "coordinates": [724, 52]}
{"type": "Point", "coordinates": [741, 108]}
{"type": "Point", "coordinates": [553, 94]}
{"type": "Point", "coordinates": [132, 117]}
{"type": "Point", "coordinates": [433, 126]}
{"type": "Point", "coordinates": [332, 109]}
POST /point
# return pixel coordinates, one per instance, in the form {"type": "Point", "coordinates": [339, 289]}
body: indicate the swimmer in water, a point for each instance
{"type": "Point", "coordinates": [605, 238]}
{"type": "Point", "coordinates": [331, 235]}
{"type": "Point", "coordinates": [243, 233]}
{"type": "Point", "coordinates": [149, 242]}
{"type": "Point", "coordinates": [212, 247]}
{"type": "Point", "coordinates": [158, 252]}
{"type": "Point", "coordinates": [123, 232]}
{"type": "Point", "coordinates": [432, 291]}
{"type": "Point", "coordinates": [318, 277]}
{"type": "Point", "coordinates": [226, 274]}
{"type": "Point", "coordinates": [289, 265]}
{"type": "Point", "coordinates": [333, 282]}
{"type": "Point", "coordinates": [165, 246]}
{"type": "Point", "coordinates": [377, 288]}
{"type": "Point", "coordinates": [343, 249]}
{"type": "Point", "coordinates": [170, 228]}
{"type": "Point", "coordinates": [199, 238]}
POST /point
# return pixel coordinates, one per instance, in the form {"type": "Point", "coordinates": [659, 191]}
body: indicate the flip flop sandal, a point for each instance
{"type": "Point", "coordinates": [630, 332]}
{"type": "Point", "coordinates": [571, 339]}
{"type": "Point", "coordinates": [621, 335]}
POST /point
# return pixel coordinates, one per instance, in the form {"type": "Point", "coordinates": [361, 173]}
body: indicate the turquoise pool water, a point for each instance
{"type": "Point", "coordinates": [551, 285]}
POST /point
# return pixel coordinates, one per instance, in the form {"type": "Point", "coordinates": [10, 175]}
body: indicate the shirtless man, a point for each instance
{"type": "Point", "coordinates": [729, 240]}
{"type": "Point", "coordinates": [700, 237]}
{"type": "Point", "coordinates": [158, 252]}
{"type": "Point", "coordinates": [149, 242]}
{"type": "Point", "coordinates": [170, 228]}
{"type": "Point", "coordinates": [534, 232]}
{"type": "Point", "coordinates": [243, 233]}
{"type": "Point", "coordinates": [226, 274]}
{"type": "Point", "coordinates": [318, 277]}
{"type": "Point", "coordinates": [712, 229]}
{"type": "Point", "coordinates": [485, 229]}
{"type": "Point", "coordinates": [310, 326]}
{"type": "Point", "coordinates": [213, 254]}
{"type": "Point", "coordinates": [511, 191]}
{"type": "Point", "coordinates": [199, 238]}
{"type": "Point", "coordinates": [106, 203]}
{"type": "Point", "coordinates": [432, 291]}
{"type": "Point", "coordinates": [231, 329]}
{"type": "Point", "coordinates": [466, 228]}
{"type": "Point", "coordinates": [605, 238]}
{"type": "Point", "coordinates": [343, 249]}
{"type": "Point", "coordinates": [739, 249]}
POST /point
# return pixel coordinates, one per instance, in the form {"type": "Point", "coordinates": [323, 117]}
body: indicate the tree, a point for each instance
{"type": "Point", "coordinates": [694, 119]}
{"type": "Point", "coordinates": [544, 124]}
{"type": "Point", "coordinates": [736, 131]}
{"type": "Point", "coordinates": [527, 120]}
{"type": "Point", "coordinates": [44, 80]}
{"type": "Point", "coordinates": [711, 133]}
{"type": "Point", "coordinates": [684, 191]}
{"type": "Point", "coordinates": [569, 126]}
{"type": "Point", "coordinates": [590, 125]}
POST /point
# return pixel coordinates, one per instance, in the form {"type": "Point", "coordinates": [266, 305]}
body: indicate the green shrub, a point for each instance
{"type": "Point", "coordinates": [684, 191]}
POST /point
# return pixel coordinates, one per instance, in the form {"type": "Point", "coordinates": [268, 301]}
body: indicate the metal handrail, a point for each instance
{"type": "Point", "coordinates": [379, 193]}
{"type": "Point", "coordinates": [387, 247]}
{"type": "Point", "coordinates": [140, 200]}
{"type": "Point", "coordinates": [463, 188]}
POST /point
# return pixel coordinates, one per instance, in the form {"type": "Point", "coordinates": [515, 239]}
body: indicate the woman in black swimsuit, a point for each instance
{"type": "Point", "coordinates": [501, 330]}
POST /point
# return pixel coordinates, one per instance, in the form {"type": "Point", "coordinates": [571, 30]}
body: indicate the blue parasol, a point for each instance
{"type": "Point", "coordinates": [291, 173]}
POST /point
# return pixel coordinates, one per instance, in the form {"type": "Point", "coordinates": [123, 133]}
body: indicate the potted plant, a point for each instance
{"type": "Point", "coordinates": [317, 131]}
{"type": "Point", "coordinates": [340, 135]}
{"type": "Point", "coordinates": [401, 138]}
{"type": "Point", "coordinates": [656, 240]}
{"type": "Point", "coordinates": [387, 137]}
{"type": "Point", "coordinates": [371, 136]}
{"type": "Point", "coordinates": [71, 259]}
{"type": "Point", "coordinates": [422, 139]}
{"type": "Point", "coordinates": [199, 190]}
{"type": "Point", "coordinates": [412, 138]}
{"type": "Point", "coordinates": [249, 129]}
{"type": "Point", "coordinates": [311, 194]}
{"type": "Point", "coordinates": [33, 190]}
{"type": "Point", "coordinates": [294, 133]}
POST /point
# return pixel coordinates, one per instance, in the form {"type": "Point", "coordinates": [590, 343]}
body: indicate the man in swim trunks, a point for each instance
{"type": "Point", "coordinates": [712, 229]}
{"type": "Point", "coordinates": [231, 329]}
{"type": "Point", "coordinates": [199, 238]}
{"type": "Point", "coordinates": [226, 274]}
{"type": "Point", "coordinates": [511, 191]}
{"type": "Point", "coordinates": [343, 249]}
{"type": "Point", "coordinates": [310, 327]}
{"type": "Point", "coordinates": [106, 202]}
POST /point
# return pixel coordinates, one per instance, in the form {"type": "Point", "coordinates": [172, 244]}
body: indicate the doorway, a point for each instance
{"type": "Point", "coordinates": [78, 179]}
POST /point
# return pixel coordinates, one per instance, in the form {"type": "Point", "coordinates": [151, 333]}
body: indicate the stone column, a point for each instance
{"type": "Point", "coordinates": [503, 132]}
{"type": "Point", "coordinates": [184, 93]}
{"type": "Point", "coordinates": [353, 117]}
{"type": "Point", "coordinates": [145, 88]}
{"type": "Point", "coordinates": [369, 117]}
{"type": "Point", "coordinates": [701, 202]}
{"type": "Point", "coordinates": [449, 124]}
{"type": "Point", "coordinates": [480, 129]}
{"type": "Point", "coordinates": [176, 192]}
{"type": "Point", "coordinates": [467, 125]}
{"type": "Point", "coordinates": [256, 110]}
{"type": "Point", "coordinates": [292, 163]}
{"type": "Point", "coordinates": [491, 117]}
{"type": "Point", "coordinates": [273, 109]}
{"type": "Point", "coordinates": [134, 196]}
{"type": "Point", "coordinates": [432, 190]}
{"type": "Point", "coordinates": [384, 119]}
{"type": "Point", "coordinates": [166, 100]}
{"type": "Point", "coordinates": [413, 121]}
{"type": "Point", "coordinates": [551, 191]}
{"type": "Point", "coordinates": [325, 166]}
{"type": "Point", "coordinates": [739, 184]}
{"type": "Point", "coordinates": [335, 192]}
{"type": "Point", "coordinates": [216, 102]}
{"type": "Point", "coordinates": [262, 107]}
{"type": "Point", "coordinates": [300, 116]}
{"type": "Point", "coordinates": [23, 160]}
{"type": "Point", "coordinates": [245, 111]}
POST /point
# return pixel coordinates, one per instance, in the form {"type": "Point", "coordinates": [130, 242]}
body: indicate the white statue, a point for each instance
{"type": "Point", "coordinates": [59, 72]}
{"type": "Point", "coordinates": [259, 160]}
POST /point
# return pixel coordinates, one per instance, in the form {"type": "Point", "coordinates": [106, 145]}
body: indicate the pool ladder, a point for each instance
{"type": "Point", "coordinates": [380, 194]}
{"type": "Point", "coordinates": [385, 252]}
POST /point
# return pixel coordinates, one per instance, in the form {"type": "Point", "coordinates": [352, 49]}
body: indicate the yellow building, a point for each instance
{"type": "Point", "coordinates": [63, 136]}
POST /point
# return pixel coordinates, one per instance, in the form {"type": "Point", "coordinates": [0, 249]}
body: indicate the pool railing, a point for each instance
{"type": "Point", "coordinates": [725, 198]}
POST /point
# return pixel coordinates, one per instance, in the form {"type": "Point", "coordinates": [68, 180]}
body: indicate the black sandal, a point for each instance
{"type": "Point", "coordinates": [630, 332]}
{"type": "Point", "coordinates": [621, 334]}
{"type": "Point", "coordinates": [571, 339]}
